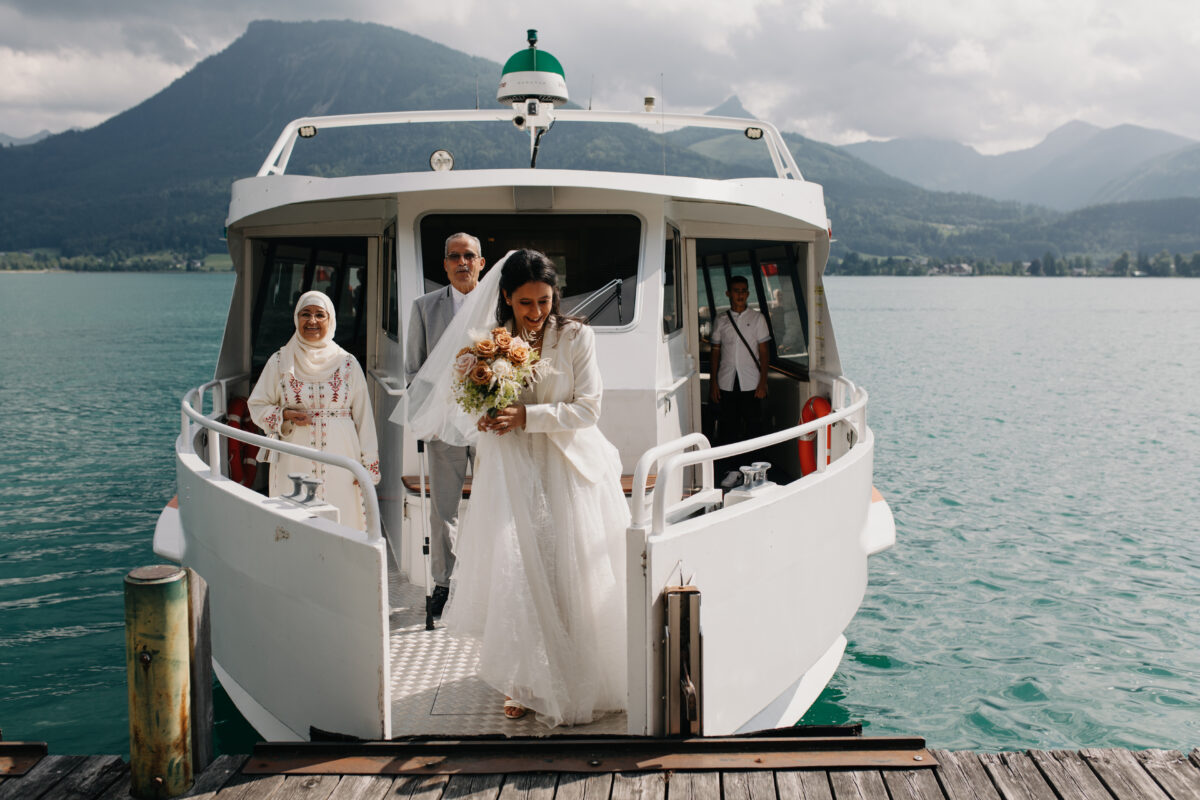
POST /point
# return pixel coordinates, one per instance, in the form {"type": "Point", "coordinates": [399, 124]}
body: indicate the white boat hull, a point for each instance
{"type": "Point", "coordinates": [299, 605]}
{"type": "Point", "coordinates": [780, 578]}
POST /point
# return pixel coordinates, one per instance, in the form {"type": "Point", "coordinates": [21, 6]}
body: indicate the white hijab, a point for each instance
{"type": "Point", "coordinates": [313, 361]}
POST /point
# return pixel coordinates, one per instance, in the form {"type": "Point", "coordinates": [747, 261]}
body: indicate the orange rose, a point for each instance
{"type": "Point", "coordinates": [462, 352]}
{"type": "Point", "coordinates": [502, 338]}
{"type": "Point", "coordinates": [481, 375]}
{"type": "Point", "coordinates": [518, 354]}
{"type": "Point", "coordinates": [485, 348]}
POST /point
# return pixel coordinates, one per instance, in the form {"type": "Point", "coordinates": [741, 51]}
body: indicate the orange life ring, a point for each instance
{"type": "Point", "coordinates": [815, 408]}
{"type": "Point", "coordinates": [243, 458]}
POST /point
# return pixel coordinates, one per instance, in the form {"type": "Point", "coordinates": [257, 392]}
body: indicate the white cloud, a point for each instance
{"type": "Point", "coordinates": [983, 72]}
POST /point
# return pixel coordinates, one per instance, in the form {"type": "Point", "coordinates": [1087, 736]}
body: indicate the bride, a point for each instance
{"type": "Point", "coordinates": [540, 577]}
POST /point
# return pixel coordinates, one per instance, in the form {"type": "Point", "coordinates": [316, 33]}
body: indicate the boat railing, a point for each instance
{"type": "Point", "coordinates": [781, 157]}
{"type": "Point", "coordinates": [191, 408]}
{"type": "Point", "coordinates": [675, 456]}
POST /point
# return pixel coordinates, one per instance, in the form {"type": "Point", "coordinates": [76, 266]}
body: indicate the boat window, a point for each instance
{"type": "Point", "coordinates": [672, 285]}
{"type": "Point", "coordinates": [291, 267]}
{"type": "Point", "coordinates": [596, 255]}
{"type": "Point", "coordinates": [775, 272]}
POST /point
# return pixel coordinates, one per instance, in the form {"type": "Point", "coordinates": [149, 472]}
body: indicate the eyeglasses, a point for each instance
{"type": "Point", "coordinates": [467, 256]}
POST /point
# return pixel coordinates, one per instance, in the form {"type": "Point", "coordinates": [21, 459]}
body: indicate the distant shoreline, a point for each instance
{"type": "Point", "coordinates": [115, 272]}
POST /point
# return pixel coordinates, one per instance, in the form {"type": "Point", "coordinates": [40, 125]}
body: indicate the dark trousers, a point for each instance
{"type": "Point", "coordinates": [740, 417]}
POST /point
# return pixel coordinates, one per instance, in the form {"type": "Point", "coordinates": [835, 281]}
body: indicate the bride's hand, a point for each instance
{"type": "Point", "coordinates": [506, 420]}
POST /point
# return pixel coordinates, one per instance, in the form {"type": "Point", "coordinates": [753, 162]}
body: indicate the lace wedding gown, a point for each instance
{"type": "Point", "coordinates": [539, 581]}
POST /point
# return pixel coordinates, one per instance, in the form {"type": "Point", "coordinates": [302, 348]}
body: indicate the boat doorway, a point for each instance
{"type": "Point", "coordinates": [287, 268]}
{"type": "Point", "coordinates": [778, 276]}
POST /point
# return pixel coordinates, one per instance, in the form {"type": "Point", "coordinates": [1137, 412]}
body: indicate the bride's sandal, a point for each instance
{"type": "Point", "coordinates": [513, 709]}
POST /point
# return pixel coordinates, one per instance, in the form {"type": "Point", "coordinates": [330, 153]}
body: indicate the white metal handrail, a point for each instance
{"type": "Point", "coordinates": [665, 392]}
{"type": "Point", "coordinates": [217, 430]}
{"type": "Point", "coordinates": [641, 472]}
{"type": "Point", "coordinates": [385, 382]}
{"type": "Point", "coordinates": [781, 157]}
{"type": "Point", "coordinates": [680, 460]}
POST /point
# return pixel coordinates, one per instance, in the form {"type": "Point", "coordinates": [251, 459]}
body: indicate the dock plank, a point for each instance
{"type": "Point", "coordinates": [420, 787]}
{"type": "Point", "coordinates": [306, 787]}
{"type": "Point", "coordinates": [584, 786]}
{"type": "Point", "coordinates": [1123, 775]}
{"type": "Point", "coordinates": [638, 786]}
{"type": "Point", "coordinates": [119, 790]}
{"type": "Point", "coordinates": [1173, 771]}
{"type": "Point", "coordinates": [912, 784]}
{"type": "Point", "coordinates": [529, 786]}
{"type": "Point", "coordinates": [250, 787]}
{"type": "Point", "coordinates": [857, 785]}
{"type": "Point", "coordinates": [689, 785]}
{"type": "Point", "coordinates": [1016, 776]}
{"type": "Point", "coordinates": [484, 786]}
{"type": "Point", "coordinates": [91, 778]}
{"type": "Point", "coordinates": [215, 775]}
{"type": "Point", "coordinates": [748, 785]}
{"type": "Point", "coordinates": [803, 784]}
{"type": "Point", "coordinates": [363, 787]}
{"type": "Point", "coordinates": [1069, 774]}
{"type": "Point", "coordinates": [41, 778]}
{"type": "Point", "coordinates": [963, 776]}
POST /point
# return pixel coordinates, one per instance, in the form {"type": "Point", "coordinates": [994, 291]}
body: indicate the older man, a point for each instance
{"type": "Point", "coordinates": [431, 314]}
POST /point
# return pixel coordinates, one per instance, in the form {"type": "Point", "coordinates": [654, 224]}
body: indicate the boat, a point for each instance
{"type": "Point", "coordinates": [738, 597]}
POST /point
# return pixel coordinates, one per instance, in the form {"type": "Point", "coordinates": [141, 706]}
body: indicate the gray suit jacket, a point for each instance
{"type": "Point", "coordinates": [431, 313]}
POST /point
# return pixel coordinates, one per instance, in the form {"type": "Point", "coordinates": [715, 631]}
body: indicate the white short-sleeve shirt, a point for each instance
{"type": "Point", "coordinates": [735, 357]}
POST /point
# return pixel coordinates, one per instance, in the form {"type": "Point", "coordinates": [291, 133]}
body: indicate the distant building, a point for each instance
{"type": "Point", "coordinates": [952, 269]}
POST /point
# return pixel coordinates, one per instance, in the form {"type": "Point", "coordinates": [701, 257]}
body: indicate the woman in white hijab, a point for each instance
{"type": "Point", "coordinates": [313, 393]}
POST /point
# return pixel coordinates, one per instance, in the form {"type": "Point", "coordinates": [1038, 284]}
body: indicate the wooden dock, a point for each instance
{"type": "Point", "coordinates": [1032, 775]}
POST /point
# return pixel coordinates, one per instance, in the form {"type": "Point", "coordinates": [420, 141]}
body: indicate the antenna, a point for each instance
{"type": "Point", "coordinates": [476, 92]}
{"type": "Point", "coordinates": [662, 122]}
{"type": "Point", "coordinates": [591, 91]}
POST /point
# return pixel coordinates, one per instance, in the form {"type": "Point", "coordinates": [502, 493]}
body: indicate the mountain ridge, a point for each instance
{"type": "Point", "coordinates": [1075, 165]}
{"type": "Point", "coordinates": [156, 176]}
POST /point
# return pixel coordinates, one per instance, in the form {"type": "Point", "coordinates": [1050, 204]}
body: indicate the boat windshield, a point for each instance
{"type": "Point", "coordinates": [596, 255]}
{"type": "Point", "coordinates": [775, 272]}
{"type": "Point", "coordinates": [686, 151]}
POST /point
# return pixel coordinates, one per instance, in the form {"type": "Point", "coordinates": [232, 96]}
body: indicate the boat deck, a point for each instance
{"type": "Point", "coordinates": [434, 687]}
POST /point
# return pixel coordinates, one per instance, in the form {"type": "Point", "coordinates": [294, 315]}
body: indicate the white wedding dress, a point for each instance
{"type": "Point", "coordinates": [539, 581]}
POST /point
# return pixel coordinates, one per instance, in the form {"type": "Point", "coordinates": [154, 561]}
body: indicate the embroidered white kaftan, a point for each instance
{"type": "Point", "coordinates": [342, 424]}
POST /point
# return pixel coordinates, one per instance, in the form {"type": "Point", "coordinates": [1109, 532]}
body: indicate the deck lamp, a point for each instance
{"type": "Point", "coordinates": [754, 133]}
{"type": "Point", "coordinates": [307, 131]}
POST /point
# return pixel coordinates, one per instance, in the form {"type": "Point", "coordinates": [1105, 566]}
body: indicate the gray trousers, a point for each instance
{"type": "Point", "coordinates": [447, 472]}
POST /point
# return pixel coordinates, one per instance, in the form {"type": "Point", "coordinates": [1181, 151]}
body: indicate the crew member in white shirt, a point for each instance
{"type": "Point", "coordinates": [738, 375]}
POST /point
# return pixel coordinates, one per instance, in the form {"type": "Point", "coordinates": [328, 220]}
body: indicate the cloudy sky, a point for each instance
{"type": "Point", "coordinates": [996, 74]}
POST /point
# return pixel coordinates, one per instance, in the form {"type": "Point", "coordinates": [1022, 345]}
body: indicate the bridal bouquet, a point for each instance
{"type": "Point", "coordinates": [492, 372]}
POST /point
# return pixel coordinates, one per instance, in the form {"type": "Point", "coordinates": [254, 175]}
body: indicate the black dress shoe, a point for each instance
{"type": "Point", "coordinates": [440, 595]}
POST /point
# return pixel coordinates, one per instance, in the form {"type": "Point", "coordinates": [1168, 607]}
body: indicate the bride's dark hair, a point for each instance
{"type": "Point", "coordinates": [528, 266]}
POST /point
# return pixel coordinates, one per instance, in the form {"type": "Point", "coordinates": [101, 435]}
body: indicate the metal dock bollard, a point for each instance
{"type": "Point", "coordinates": [157, 661]}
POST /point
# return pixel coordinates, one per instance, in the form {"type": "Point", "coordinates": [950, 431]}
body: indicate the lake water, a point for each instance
{"type": "Point", "coordinates": [1038, 440]}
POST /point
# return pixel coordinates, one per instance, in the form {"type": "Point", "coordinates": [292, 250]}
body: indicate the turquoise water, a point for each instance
{"type": "Point", "coordinates": [1039, 441]}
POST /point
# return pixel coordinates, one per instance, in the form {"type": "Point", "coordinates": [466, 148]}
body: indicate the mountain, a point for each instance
{"type": "Point", "coordinates": [1175, 174]}
{"type": "Point", "coordinates": [731, 108]}
{"type": "Point", "coordinates": [156, 177]}
{"type": "Point", "coordinates": [1069, 169]}
{"type": "Point", "coordinates": [17, 141]}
